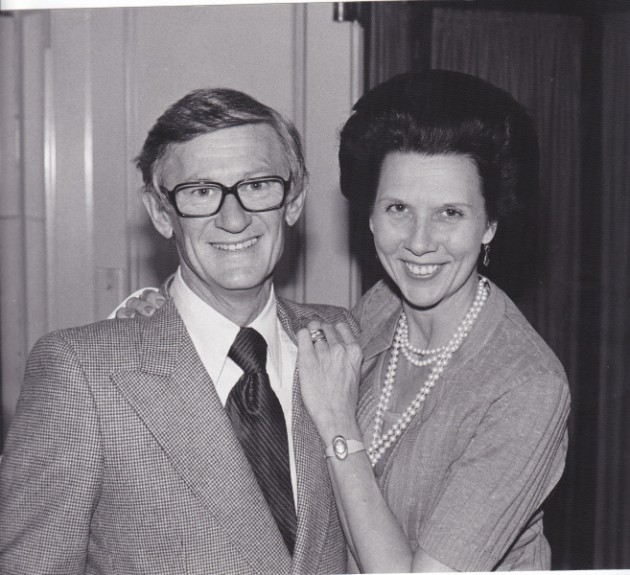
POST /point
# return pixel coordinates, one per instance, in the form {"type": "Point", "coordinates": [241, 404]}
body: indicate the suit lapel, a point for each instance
{"type": "Point", "coordinates": [313, 483]}
{"type": "Point", "coordinates": [173, 395]}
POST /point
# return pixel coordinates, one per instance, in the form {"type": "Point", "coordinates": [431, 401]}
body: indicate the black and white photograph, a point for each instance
{"type": "Point", "coordinates": [314, 287]}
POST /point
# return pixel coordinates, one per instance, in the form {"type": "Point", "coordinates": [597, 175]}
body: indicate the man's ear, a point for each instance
{"type": "Point", "coordinates": [294, 207]}
{"type": "Point", "coordinates": [159, 214]}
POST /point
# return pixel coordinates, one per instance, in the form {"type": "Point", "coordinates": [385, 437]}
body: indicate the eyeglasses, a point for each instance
{"type": "Point", "coordinates": [204, 198]}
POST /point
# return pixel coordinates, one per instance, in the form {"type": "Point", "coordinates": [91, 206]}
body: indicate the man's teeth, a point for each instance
{"type": "Point", "coordinates": [236, 246]}
{"type": "Point", "coordinates": [421, 270]}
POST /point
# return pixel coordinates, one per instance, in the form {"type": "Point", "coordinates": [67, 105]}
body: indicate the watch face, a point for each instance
{"type": "Point", "coordinates": [340, 447]}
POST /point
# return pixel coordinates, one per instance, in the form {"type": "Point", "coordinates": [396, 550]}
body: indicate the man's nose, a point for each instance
{"type": "Point", "coordinates": [232, 217]}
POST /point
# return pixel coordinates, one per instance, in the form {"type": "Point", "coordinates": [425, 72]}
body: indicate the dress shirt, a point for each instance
{"type": "Point", "coordinates": [213, 334]}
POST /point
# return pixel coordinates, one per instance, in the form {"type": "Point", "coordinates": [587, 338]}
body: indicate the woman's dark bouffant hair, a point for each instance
{"type": "Point", "coordinates": [443, 112]}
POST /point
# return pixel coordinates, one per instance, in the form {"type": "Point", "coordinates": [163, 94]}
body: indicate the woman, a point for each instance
{"type": "Point", "coordinates": [446, 423]}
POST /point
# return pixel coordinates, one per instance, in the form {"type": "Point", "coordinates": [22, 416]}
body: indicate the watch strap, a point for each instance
{"type": "Point", "coordinates": [342, 447]}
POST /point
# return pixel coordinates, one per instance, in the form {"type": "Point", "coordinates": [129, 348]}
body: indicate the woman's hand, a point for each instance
{"type": "Point", "coordinates": [329, 378]}
{"type": "Point", "coordinates": [146, 304]}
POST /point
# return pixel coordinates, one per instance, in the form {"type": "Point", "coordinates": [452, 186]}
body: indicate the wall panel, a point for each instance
{"type": "Point", "coordinates": [92, 84]}
{"type": "Point", "coordinates": [12, 278]}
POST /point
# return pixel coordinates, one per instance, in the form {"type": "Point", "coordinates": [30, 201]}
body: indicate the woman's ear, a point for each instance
{"type": "Point", "coordinates": [491, 229]}
{"type": "Point", "coordinates": [160, 215]}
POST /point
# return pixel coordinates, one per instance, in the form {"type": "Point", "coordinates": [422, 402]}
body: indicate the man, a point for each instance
{"type": "Point", "coordinates": [179, 443]}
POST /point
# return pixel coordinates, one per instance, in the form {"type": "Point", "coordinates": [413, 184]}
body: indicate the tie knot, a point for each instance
{"type": "Point", "coordinates": [249, 351]}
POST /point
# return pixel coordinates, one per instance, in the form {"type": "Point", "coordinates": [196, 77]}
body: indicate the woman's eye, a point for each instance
{"type": "Point", "coordinates": [396, 208]}
{"type": "Point", "coordinates": [452, 213]}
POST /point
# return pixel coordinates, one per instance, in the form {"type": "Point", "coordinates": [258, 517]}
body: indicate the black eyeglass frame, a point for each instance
{"type": "Point", "coordinates": [226, 191]}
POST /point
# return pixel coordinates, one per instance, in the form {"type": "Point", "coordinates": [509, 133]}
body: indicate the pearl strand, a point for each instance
{"type": "Point", "coordinates": [407, 349]}
{"type": "Point", "coordinates": [382, 441]}
{"type": "Point", "coordinates": [417, 350]}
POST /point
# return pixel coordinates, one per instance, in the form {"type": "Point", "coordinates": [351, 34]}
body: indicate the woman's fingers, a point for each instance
{"type": "Point", "coordinates": [153, 297]}
{"type": "Point", "coordinates": [317, 334]}
{"type": "Point", "coordinates": [337, 343]}
{"type": "Point", "coordinates": [306, 351]}
{"type": "Point", "coordinates": [133, 306]}
{"type": "Point", "coordinates": [125, 313]}
{"type": "Point", "coordinates": [345, 333]}
{"type": "Point", "coordinates": [331, 334]}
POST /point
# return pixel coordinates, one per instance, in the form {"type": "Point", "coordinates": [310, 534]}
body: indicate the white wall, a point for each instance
{"type": "Point", "coordinates": [79, 91]}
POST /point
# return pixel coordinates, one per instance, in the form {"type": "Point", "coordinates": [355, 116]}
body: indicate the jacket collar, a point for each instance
{"type": "Point", "coordinates": [315, 496]}
{"type": "Point", "coordinates": [175, 398]}
{"type": "Point", "coordinates": [172, 394]}
{"type": "Point", "coordinates": [378, 336]}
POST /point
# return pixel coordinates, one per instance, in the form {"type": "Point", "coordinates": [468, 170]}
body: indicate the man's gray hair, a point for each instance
{"type": "Point", "coordinates": [207, 110]}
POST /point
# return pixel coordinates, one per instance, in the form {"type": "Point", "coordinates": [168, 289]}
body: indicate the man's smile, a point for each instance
{"type": "Point", "coordinates": [235, 246]}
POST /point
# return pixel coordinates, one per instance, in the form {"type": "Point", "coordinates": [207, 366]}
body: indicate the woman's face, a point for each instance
{"type": "Point", "coordinates": [429, 221]}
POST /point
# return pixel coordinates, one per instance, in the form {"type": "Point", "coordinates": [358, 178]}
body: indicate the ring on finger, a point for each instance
{"type": "Point", "coordinates": [317, 335]}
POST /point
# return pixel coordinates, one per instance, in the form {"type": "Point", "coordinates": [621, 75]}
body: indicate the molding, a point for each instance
{"type": "Point", "coordinates": [50, 179]}
{"type": "Point", "coordinates": [299, 117]}
{"type": "Point", "coordinates": [88, 158]}
{"type": "Point", "coordinates": [357, 89]}
{"type": "Point", "coordinates": [131, 123]}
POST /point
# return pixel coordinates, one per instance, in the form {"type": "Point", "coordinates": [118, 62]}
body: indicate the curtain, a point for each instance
{"type": "Point", "coordinates": [612, 525]}
{"type": "Point", "coordinates": [389, 43]}
{"type": "Point", "coordinates": [573, 74]}
{"type": "Point", "coordinates": [537, 58]}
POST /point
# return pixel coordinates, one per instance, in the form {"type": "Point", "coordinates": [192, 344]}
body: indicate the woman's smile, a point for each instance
{"type": "Point", "coordinates": [422, 271]}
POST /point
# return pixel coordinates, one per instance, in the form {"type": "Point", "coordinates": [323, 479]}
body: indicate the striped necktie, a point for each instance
{"type": "Point", "coordinates": [258, 422]}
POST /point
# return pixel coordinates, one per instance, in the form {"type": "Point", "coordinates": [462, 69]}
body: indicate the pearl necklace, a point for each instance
{"type": "Point", "coordinates": [407, 349]}
{"type": "Point", "coordinates": [382, 441]}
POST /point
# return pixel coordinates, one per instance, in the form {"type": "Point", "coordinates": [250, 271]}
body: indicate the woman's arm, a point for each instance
{"type": "Point", "coordinates": [329, 377]}
{"type": "Point", "coordinates": [491, 491]}
{"type": "Point", "coordinates": [376, 541]}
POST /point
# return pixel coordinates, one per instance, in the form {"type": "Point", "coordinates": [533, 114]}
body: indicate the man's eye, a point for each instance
{"type": "Point", "coordinates": [201, 192]}
{"type": "Point", "coordinates": [256, 186]}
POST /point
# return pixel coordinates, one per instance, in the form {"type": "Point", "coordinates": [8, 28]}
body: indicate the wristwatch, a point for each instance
{"type": "Point", "coordinates": [342, 447]}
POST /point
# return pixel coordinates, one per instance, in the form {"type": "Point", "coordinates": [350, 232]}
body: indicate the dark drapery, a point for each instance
{"type": "Point", "coordinates": [389, 48]}
{"type": "Point", "coordinates": [536, 57]}
{"type": "Point", "coordinates": [573, 73]}
{"type": "Point", "coordinates": [612, 525]}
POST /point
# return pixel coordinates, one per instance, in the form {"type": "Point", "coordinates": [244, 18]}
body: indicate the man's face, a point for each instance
{"type": "Point", "coordinates": [233, 253]}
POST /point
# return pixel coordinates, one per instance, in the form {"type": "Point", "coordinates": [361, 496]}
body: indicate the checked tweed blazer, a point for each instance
{"type": "Point", "coordinates": [121, 460]}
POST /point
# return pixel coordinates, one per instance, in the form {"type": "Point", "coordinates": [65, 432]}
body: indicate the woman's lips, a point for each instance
{"type": "Point", "coordinates": [422, 270]}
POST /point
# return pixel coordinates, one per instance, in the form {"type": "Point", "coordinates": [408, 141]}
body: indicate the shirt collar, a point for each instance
{"type": "Point", "coordinates": [215, 333]}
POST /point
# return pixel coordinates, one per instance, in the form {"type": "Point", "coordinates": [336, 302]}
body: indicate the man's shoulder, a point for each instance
{"type": "Point", "coordinates": [111, 336]}
{"type": "Point", "coordinates": [108, 329]}
{"type": "Point", "coordinates": [299, 314]}
{"type": "Point", "coordinates": [323, 310]}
